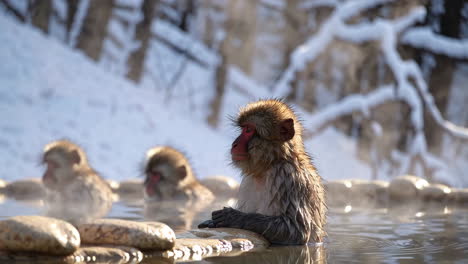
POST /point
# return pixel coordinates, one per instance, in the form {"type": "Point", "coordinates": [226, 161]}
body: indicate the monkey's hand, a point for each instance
{"type": "Point", "coordinates": [227, 217]}
{"type": "Point", "coordinates": [207, 223]}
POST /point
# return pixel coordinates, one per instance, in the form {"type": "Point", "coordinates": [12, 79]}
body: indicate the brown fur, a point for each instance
{"type": "Point", "coordinates": [75, 191]}
{"type": "Point", "coordinates": [176, 200]}
{"type": "Point", "coordinates": [167, 161]}
{"type": "Point", "coordinates": [281, 195]}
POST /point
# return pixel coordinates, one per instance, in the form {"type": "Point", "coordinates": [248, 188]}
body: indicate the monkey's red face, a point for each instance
{"type": "Point", "coordinates": [152, 180]}
{"type": "Point", "coordinates": [240, 149]}
{"type": "Point", "coordinates": [49, 179]}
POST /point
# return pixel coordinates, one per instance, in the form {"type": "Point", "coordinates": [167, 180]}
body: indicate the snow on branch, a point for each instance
{"type": "Point", "coordinates": [308, 51]}
{"type": "Point", "coordinates": [410, 86]}
{"type": "Point", "coordinates": [174, 37]}
{"type": "Point", "coordinates": [311, 4]}
{"type": "Point", "coordinates": [348, 105]}
{"type": "Point", "coordinates": [425, 38]}
{"type": "Point", "coordinates": [386, 32]}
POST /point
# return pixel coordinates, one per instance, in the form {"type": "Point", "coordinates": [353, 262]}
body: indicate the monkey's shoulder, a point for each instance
{"type": "Point", "coordinates": [91, 185]}
{"type": "Point", "coordinates": [292, 184]}
{"type": "Point", "coordinates": [197, 191]}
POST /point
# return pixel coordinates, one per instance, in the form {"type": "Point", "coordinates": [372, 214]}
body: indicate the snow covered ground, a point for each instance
{"type": "Point", "coordinates": [48, 92]}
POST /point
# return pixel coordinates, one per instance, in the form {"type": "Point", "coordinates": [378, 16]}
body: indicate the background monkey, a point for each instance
{"type": "Point", "coordinates": [172, 193]}
{"type": "Point", "coordinates": [75, 191]}
{"type": "Point", "coordinates": [281, 195]}
{"type": "Point", "coordinates": [169, 176]}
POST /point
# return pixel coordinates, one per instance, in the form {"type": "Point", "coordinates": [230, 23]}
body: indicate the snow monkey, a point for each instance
{"type": "Point", "coordinates": [75, 191]}
{"type": "Point", "coordinates": [169, 176]}
{"type": "Point", "coordinates": [172, 193]}
{"type": "Point", "coordinates": [281, 195]}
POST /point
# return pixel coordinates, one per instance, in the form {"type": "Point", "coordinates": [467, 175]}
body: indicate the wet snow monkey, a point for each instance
{"type": "Point", "coordinates": [281, 195]}
{"type": "Point", "coordinates": [169, 176]}
{"type": "Point", "coordinates": [75, 191]}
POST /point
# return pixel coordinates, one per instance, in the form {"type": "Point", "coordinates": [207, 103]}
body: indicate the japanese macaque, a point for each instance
{"type": "Point", "coordinates": [281, 195]}
{"type": "Point", "coordinates": [172, 193]}
{"type": "Point", "coordinates": [168, 176]}
{"type": "Point", "coordinates": [76, 192]}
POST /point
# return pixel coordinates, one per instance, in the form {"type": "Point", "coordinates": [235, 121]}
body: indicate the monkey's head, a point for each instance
{"type": "Point", "coordinates": [269, 130]}
{"type": "Point", "coordinates": [166, 170]}
{"type": "Point", "coordinates": [62, 158]}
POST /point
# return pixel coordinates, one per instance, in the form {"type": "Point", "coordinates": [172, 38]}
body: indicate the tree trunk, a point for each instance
{"type": "Point", "coordinates": [220, 83]}
{"type": "Point", "coordinates": [40, 12]}
{"type": "Point", "coordinates": [440, 77]}
{"type": "Point", "coordinates": [187, 13]}
{"type": "Point", "coordinates": [72, 7]}
{"type": "Point", "coordinates": [136, 59]}
{"type": "Point", "coordinates": [94, 30]}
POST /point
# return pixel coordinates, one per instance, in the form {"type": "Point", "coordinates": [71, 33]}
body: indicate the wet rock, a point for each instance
{"type": "Point", "coordinates": [115, 185]}
{"type": "Point", "coordinates": [221, 186]}
{"type": "Point", "coordinates": [27, 189]}
{"type": "Point", "coordinates": [200, 243]}
{"type": "Point", "coordinates": [130, 189]}
{"type": "Point", "coordinates": [109, 254]}
{"type": "Point", "coordinates": [406, 187]}
{"type": "Point", "coordinates": [228, 234]}
{"type": "Point", "coordinates": [32, 257]}
{"type": "Point", "coordinates": [38, 234]}
{"type": "Point", "coordinates": [436, 192]}
{"type": "Point", "coordinates": [3, 184]}
{"type": "Point", "coordinates": [370, 191]}
{"type": "Point", "coordinates": [338, 192]}
{"type": "Point", "coordinates": [147, 235]}
{"type": "Point", "coordinates": [460, 195]}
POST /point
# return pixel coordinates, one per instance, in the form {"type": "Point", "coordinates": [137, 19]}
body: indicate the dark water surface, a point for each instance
{"type": "Point", "coordinates": [413, 234]}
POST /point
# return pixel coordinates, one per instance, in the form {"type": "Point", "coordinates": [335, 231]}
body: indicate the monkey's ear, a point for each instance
{"type": "Point", "coordinates": [182, 172]}
{"type": "Point", "coordinates": [75, 157]}
{"type": "Point", "coordinates": [286, 129]}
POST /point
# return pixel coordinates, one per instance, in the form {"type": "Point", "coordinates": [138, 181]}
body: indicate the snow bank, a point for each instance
{"type": "Point", "coordinates": [48, 91]}
{"type": "Point", "coordinates": [425, 38]}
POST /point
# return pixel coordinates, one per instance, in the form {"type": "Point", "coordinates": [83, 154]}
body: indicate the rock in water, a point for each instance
{"type": "Point", "coordinates": [221, 186]}
{"type": "Point", "coordinates": [147, 235]}
{"type": "Point", "coordinates": [3, 184]}
{"type": "Point", "coordinates": [130, 189]}
{"type": "Point", "coordinates": [406, 187]}
{"type": "Point", "coordinates": [39, 234]}
{"type": "Point", "coordinates": [109, 254]}
{"type": "Point", "coordinates": [27, 189]}
{"type": "Point", "coordinates": [436, 192]}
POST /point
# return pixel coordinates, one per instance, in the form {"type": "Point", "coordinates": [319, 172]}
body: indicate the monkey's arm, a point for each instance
{"type": "Point", "coordinates": [276, 229]}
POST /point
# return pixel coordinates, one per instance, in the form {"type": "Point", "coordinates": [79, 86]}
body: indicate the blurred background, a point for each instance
{"type": "Point", "coordinates": [381, 85]}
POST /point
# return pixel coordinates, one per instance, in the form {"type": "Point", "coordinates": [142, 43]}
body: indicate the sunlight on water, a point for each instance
{"type": "Point", "coordinates": [408, 234]}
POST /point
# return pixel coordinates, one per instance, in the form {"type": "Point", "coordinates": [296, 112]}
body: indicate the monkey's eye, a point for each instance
{"type": "Point", "coordinates": [248, 129]}
{"type": "Point", "coordinates": [52, 164]}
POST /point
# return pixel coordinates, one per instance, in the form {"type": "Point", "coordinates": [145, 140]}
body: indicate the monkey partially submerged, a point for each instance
{"type": "Point", "coordinates": [281, 195]}
{"type": "Point", "coordinates": [76, 192]}
{"type": "Point", "coordinates": [172, 193]}
{"type": "Point", "coordinates": [169, 176]}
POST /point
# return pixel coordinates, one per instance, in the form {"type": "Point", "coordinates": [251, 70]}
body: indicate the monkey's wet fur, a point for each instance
{"type": "Point", "coordinates": [281, 195]}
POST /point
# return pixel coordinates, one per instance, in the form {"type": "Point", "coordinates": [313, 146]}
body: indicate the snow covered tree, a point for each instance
{"type": "Point", "coordinates": [40, 13]}
{"type": "Point", "coordinates": [400, 80]}
{"type": "Point", "coordinates": [94, 29]}
{"type": "Point", "coordinates": [136, 58]}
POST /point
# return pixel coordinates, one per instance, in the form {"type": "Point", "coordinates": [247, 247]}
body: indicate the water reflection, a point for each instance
{"type": "Point", "coordinates": [413, 233]}
{"type": "Point", "coordinates": [283, 254]}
